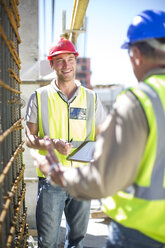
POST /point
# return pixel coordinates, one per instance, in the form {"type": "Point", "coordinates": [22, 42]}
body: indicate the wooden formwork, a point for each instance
{"type": "Point", "coordinates": [13, 227]}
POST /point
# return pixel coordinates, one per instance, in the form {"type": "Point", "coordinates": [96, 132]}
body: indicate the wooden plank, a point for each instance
{"type": "Point", "coordinates": [98, 215]}
{"type": "Point", "coordinates": [32, 232]}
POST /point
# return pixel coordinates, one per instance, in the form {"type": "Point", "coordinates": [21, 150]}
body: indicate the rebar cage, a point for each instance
{"type": "Point", "coordinates": [13, 227]}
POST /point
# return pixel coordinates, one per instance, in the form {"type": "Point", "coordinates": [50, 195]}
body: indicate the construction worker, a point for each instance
{"type": "Point", "coordinates": [129, 166]}
{"type": "Point", "coordinates": [62, 111]}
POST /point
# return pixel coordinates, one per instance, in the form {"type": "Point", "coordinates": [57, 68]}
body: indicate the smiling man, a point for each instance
{"type": "Point", "coordinates": [65, 66]}
{"type": "Point", "coordinates": [62, 111]}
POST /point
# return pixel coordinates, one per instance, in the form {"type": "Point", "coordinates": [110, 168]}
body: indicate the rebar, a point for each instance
{"type": "Point", "coordinates": [13, 227]}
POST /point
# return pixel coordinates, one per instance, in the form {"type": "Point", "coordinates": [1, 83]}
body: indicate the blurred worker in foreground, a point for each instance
{"type": "Point", "coordinates": [129, 164]}
{"type": "Point", "coordinates": [64, 111]}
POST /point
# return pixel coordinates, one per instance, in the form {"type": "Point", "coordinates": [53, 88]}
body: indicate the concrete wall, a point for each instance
{"type": "Point", "coordinates": [28, 49]}
{"type": "Point", "coordinates": [30, 171]}
{"type": "Point", "coordinates": [29, 55]}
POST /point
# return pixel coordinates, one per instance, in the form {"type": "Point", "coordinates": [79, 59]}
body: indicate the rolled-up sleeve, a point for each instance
{"type": "Point", "coordinates": [32, 109]}
{"type": "Point", "coordinates": [100, 112]}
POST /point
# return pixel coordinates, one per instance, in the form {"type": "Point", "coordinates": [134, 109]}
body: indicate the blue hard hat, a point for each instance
{"type": "Point", "coordinates": [149, 24]}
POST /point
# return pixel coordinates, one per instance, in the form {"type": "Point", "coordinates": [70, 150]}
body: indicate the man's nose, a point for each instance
{"type": "Point", "coordinates": [65, 63]}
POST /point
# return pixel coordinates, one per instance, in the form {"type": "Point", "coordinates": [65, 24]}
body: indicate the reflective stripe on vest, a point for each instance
{"type": "Point", "coordinates": [156, 190]}
{"type": "Point", "coordinates": [142, 205]}
{"type": "Point", "coordinates": [61, 120]}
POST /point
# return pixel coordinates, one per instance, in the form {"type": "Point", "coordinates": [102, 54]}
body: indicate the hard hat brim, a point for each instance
{"type": "Point", "coordinates": [61, 52]}
{"type": "Point", "coordinates": [125, 45]}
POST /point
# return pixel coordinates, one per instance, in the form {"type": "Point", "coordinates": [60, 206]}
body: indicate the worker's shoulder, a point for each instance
{"type": "Point", "coordinates": [90, 91]}
{"type": "Point", "coordinates": [43, 88]}
{"type": "Point", "coordinates": [128, 104]}
{"type": "Point", "coordinates": [127, 96]}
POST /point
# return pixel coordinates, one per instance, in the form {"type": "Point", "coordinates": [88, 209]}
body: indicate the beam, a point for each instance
{"type": "Point", "coordinates": [78, 15]}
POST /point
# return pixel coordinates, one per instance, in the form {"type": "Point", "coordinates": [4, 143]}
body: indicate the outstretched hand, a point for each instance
{"type": "Point", "coordinates": [44, 163]}
{"type": "Point", "coordinates": [62, 146]}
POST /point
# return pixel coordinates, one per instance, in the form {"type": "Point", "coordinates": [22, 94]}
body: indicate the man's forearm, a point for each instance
{"type": "Point", "coordinates": [33, 141]}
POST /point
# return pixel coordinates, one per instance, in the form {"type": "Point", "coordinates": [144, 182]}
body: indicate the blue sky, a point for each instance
{"type": "Point", "coordinates": [107, 23]}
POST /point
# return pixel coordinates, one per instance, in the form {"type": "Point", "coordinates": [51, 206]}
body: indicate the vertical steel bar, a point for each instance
{"type": "Point", "coordinates": [9, 114]}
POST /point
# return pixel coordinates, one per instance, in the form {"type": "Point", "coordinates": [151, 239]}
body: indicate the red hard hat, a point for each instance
{"type": "Point", "coordinates": [63, 46]}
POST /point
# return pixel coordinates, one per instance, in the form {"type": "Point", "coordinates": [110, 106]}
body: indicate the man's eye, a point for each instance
{"type": "Point", "coordinates": [59, 61]}
{"type": "Point", "coordinates": [71, 59]}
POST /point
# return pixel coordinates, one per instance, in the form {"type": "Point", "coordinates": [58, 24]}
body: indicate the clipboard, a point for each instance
{"type": "Point", "coordinates": [83, 153]}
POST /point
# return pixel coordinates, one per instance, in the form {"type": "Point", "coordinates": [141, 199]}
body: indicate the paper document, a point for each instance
{"type": "Point", "coordinates": [84, 153]}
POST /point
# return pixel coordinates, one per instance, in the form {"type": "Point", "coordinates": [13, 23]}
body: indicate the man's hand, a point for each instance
{"type": "Point", "coordinates": [62, 146]}
{"type": "Point", "coordinates": [40, 161]}
{"type": "Point", "coordinates": [33, 141]}
{"type": "Point", "coordinates": [44, 163]}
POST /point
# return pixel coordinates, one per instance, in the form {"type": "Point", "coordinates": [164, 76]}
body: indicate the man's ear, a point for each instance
{"type": "Point", "coordinates": [137, 55]}
{"type": "Point", "coordinates": [51, 63]}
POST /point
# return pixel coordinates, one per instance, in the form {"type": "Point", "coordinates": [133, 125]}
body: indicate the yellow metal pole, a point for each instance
{"type": "Point", "coordinates": [79, 11]}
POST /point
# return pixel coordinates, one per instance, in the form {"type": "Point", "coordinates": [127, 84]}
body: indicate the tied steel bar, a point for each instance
{"type": "Point", "coordinates": [7, 167]}
{"type": "Point", "coordinates": [9, 88]}
{"type": "Point", "coordinates": [13, 212]}
{"type": "Point", "coordinates": [11, 49]}
{"type": "Point", "coordinates": [14, 75]}
{"type": "Point", "coordinates": [16, 125]}
{"type": "Point", "coordinates": [10, 195]}
{"type": "Point", "coordinates": [12, 20]}
{"type": "Point", "coordinates": [13, 227]}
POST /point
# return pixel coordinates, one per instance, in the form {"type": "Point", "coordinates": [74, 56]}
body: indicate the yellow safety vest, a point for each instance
{"type": "Point", "coordinates": [62, 120]}
{"type": "Point", "coordinates": [142, 205]}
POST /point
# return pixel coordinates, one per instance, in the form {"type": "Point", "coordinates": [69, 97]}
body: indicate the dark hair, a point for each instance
{"type": "Point", "coordinates": [161, 40]}
{"type": "Point", "coordinates": [151, 52]}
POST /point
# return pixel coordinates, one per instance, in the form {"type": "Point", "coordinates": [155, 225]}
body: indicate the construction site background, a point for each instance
{"type": "Point", "coordinates": [22, 72]}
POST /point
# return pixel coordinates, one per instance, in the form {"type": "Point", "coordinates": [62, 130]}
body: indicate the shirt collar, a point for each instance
{"type": "Point", "coordinates": [64, 97]}
{"type": "Point", "coordinates": [155, 71]}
